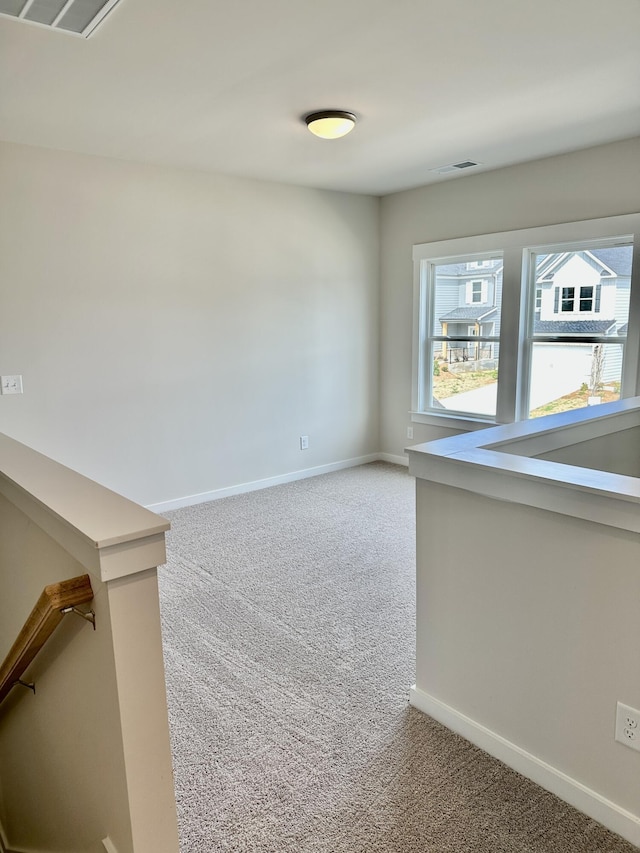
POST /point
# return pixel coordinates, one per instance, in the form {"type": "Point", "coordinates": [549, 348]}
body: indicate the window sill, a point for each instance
{"type": "Point", "coordinates": [450, 421]}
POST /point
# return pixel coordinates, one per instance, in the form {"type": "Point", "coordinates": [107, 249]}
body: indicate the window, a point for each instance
{"type": "Point", "coordinates": [463, 316]}
{"type": "Point", "coordinates": [476, 291]}
{"type": "Point", "coordinates": [590, 298]}
{"type": "Point", "coordinates": [545, 330]}
{"type": "Point", "coordinates": [568, 296]}
{"type": "Point", "coordinates": [538, 298]}
{"type": "Point", "coordinates": [586, 298]}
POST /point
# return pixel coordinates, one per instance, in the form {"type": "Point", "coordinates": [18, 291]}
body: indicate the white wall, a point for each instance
{"type": "Point", "coordinates": [526, 651]}
{"type": "Point", "coordinates": [598, 182]}
{"type": "Point", "coordinates": [177, 331]}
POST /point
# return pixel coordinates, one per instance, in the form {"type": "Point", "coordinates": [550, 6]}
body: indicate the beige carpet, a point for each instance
{"type": "Point", "coordinates": [288, 622]}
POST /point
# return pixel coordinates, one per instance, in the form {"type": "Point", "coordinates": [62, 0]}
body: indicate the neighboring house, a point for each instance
{"type": "Point", "coordinates": [584, 294]}
{"type": "Point", "coordinates": [468, 305]}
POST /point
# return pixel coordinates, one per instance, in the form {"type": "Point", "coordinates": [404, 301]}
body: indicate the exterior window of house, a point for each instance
{"type": "Point", "coordinates": [477, 291]}
{"type": "Point", "coordinates": [568, 296]}
{"type": "Point", "coordinates": [586, 298]}
{"type": "Point", "coordinates": [544, 331]}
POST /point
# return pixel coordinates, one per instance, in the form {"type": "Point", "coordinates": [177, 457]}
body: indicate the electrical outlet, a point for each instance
{"type": "Point", "coordinates": [628, 726]}
{"type": "Point", "coordinates": [11, 384]}
{"type": "Point", "coordinates": [409, 432]}
{"type": "Point", "coordinates": [304, 442]}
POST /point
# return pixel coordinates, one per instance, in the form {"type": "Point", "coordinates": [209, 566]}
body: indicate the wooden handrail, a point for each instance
{"type": "Point", "coordinates": [42, 622]}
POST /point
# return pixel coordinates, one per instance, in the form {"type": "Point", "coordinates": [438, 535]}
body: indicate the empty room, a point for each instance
{"type": "Point", "coordinates": [250, 253]}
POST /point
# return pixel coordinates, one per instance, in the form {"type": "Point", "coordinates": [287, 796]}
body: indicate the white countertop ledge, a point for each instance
{"type": "Point", "coordinates": [500, 462]}
{"type": "Point", "coordinates": [107, 533]}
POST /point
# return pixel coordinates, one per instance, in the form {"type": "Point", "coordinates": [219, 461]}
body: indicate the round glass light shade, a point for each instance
{"type": "Point", "coordinates": [330, 124]}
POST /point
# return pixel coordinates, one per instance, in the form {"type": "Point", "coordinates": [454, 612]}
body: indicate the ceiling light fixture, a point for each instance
{"type": "Point", "coordinates": [330, 124]}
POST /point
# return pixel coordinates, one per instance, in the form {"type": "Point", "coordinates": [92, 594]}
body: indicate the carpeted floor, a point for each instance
{"type": "Point", "coordinates": [288, 624]}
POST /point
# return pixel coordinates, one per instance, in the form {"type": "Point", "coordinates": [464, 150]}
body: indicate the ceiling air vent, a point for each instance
{"type": "Point", "coordinates": [78, 17]}
{"type": "Point", "coordinates": [455, 167]}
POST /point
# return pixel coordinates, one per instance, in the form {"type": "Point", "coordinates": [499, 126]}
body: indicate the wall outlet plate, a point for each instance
{"type": "Point", "coordinates": [11, 384]}
{"type": "Point", "coordinates": [304, 442]}
{"type": "Point", "coordinates": [628, 726]}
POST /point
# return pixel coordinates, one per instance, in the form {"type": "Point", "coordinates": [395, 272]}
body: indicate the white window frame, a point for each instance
{"type": "Point", "coordinates": [517, 248]}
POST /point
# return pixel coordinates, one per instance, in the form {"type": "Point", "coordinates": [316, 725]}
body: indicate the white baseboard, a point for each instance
{"type": "Point", "coordinates": [584, 799]}
{"type": "Point", "coordinates": [255, 485]}
{"type": "Point", "coordinates": [395, 460]}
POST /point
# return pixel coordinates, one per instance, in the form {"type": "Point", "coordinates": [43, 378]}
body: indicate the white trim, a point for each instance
{"type": "Point", "coordinates": [108, 845]}
{"type": "Point", "coordinates": [255, 485]}
{"type": "Point", "coordinates": [570, 790]}
{"type": "Point", "coordinates": [395, 460]}
{"type": "Point", "coordinates": [448, 420]}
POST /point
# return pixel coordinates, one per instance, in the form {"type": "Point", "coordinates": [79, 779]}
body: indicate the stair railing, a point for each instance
{"type": "Point", "coordinates": [55, 602]}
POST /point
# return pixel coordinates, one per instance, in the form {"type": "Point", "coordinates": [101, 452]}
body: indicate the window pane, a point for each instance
{"type": "Point", "coordinates": [571, 376]}
{"type": "Point", "coordinates": [582, 292]}
{"type": "Point", "coordinates": [465, 377]}
{"type": "Point", "coordinates": [463, 296]}
{"type": "Point", "coordinates": [567, 298]}
{"type": "Point", "coordinates": [465, 299]}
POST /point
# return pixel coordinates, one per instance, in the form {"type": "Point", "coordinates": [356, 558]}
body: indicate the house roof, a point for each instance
{"type": "Point", "coordinates": [573, 327]}
{"type": "Point", "coordinates": [472, 313]}
{"type": "Point", "coordinates": [617, 260]}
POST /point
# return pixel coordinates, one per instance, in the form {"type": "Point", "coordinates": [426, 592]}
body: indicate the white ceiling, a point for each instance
{"type": "Point", "coordinates": [220, 85]}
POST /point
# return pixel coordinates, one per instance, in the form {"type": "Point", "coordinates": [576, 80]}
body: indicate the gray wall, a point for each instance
{"type": "Point", "coordinates": [602, 181]}
{"type": "Point", "coordinates": [177, 331]}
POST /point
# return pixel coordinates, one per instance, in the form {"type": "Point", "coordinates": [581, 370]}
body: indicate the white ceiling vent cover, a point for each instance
{"type": "Point", "coordinates": [455, 167]}
{"type": "Point", "coordinates": [78, 17]}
